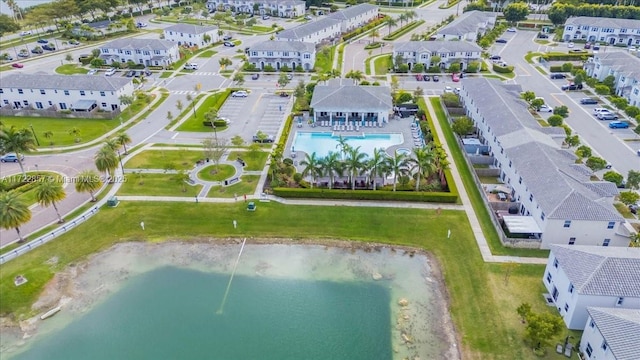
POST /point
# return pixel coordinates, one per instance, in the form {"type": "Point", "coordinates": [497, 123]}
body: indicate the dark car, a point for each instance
{"type": "Point", "coordinates": [587, 46]}
{"type": "Point", "coordinates": [284, 94]}
{"type": "Point", "coordinates": [542, 36]}
{"type": "Point", "coordinates": [131, 73]}
{"type": "Point", "coordinates": [37, 50]}
{"type": "Point", "coordinates": [571, 87]}
{"type": "Point", "coordinates": [229, 44]}
{"type": "Point", "coordinates": [596, 47]}
{"type": "Point", "coordinates": [588, 101]}
{"type": "Point", "coordinates": [426, 77]}
{"type": "Point", "coordinates": [48, 47]}
{"type": "Point", "coordinates": [257, 139]}
{"type": "Point", "coordinates": [436, 78]}
{"type": "Point", "coordinates": [495, 57]}
{"type": "Point", "coordinates": [501, 41]}
{"type": "Point", "coordinates": [43, 41]}
{"type": "Point", "coordinates": [255, 76]}
{"type": "Point", "coordinates": [633, 209]}
{"type": "Point", "coordinates": [557, 76]}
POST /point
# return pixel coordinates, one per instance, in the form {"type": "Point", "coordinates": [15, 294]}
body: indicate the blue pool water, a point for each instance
{"type": "Point", "coordinates": [324, 142]}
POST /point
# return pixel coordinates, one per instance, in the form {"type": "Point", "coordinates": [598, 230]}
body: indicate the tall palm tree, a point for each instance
{"type": "Point", "coordinates": [354, 164]}
{"type": "Point", "coordinates": [112, 144]}
{"type": "Point", "coordinates": [402, 18]}
{"type": "Point", "coordinates": [106, 160]}
{"type": "Point", "coordinates": [376, 165]}
{"type": "Point", "coordinates": [88, 181]}
{"type": "Point", "coordinates": [17, 141]}
{"type": "Point", "coordinates": [14, 212]}
{"type": "Point", "coordinates": [123, 139]}
{"type": "Point", "coordinates": [342, 146]}
{"type": "Point", "coordinates": [331, 166]}
{"type": "Point", "coordinates": [423, 163]}
{"type": "Point", "coordinates": [397, 164]}
{"type": "Point", "coordinates": [49, 192]}
{"type": "Point", "coordinates": [374, 34]}
{"type": "Point", "coordinates": [391, 22]}
{"type": "Point", "coordinates": [312, 167]}
{"type": "Point", "coordinates": [356, 75]}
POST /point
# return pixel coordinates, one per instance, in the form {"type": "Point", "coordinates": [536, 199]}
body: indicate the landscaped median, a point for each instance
{"type": "Point", "coordinates": [196, 119]}
{"type": "Point", "coordinates": [403, 30]}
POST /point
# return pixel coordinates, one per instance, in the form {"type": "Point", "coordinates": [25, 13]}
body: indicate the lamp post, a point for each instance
{"type": "Point", "coordinates": [34, 135]}
{"type": "Point", "coordinates": [120, 159]}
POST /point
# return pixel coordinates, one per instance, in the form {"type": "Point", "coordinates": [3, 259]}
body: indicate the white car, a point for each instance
{"type": "Point", "coordinates": [227, 121]}
{"type": "Point", "coordinates": [110, 72]}
{"type": "Point", "coordinates": [25, 33]}
{"type": "Point", "coordinates": [240, 93]}
{"type": "Point", "coordinates": [570, 45]}
{"type": "Point", "coordinates": [545, 108]}
{"type": "Point", "coordinates": [448, 89]}
{"type": "Point", "coordinates": [511, 29]}
{"type": "Point", "coordinates": [92, 72]}
{"type": "Point", "coordinates": [191, 66]}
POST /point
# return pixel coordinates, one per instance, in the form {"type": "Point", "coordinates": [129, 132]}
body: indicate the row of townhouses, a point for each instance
{"type": "Point", "coordinates": [621, 65]}
{"type": "Point", "coordinates": [449, 52]}
{"type": "Point", "coordinates": [281, 8]}
{"type": "Point", "coordinates": [331, 26]}
{"type": "Point", "coordinates": [600, 29]}
{"type": "Point", "coordinates": [556, 200]}
{"type": "Point", "coordinates": [280, 53]}
{"type": "Point", "coordinates": [78, 93]}
{"type": "Point", "coordinates": [192, 35]}
{"type": "Point", "coordinates": [597, 290]}
{"type": "Point", "coordinates": [468, 26]}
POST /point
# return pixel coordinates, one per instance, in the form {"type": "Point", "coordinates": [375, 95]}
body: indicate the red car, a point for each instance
{"type": "Point", "coordinates": [455, 77]}
{"type": "Point", "coordinates": [419, 77]}
{"type": "Point", "coordinates": [17, 65]}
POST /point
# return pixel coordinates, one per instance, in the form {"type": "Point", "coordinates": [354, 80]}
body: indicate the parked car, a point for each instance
{"type": "Point", "coordinates": [229, 44]}
{"type": "Point", "coordinates": [571, 87]}
{"type": "Point", "coordinates": [110, 72]}
{"type": "Point", "coordinates": [17, 65]}
{"type": "Point", "coordinates": [289, 77]}
{"type": "Point", "coordinates": [141, 25]}
{"type": "Point", "coordinates": [596, 47]}
{"type": "Point", "coordinates": [227, 37]}
{"type": "Point", "coordinates": [131, 73]}
{"type": "Point", "coordinates": [25, 33]}
{"type": "Point", "coordinates": [633, 209]}
{"type": "Point", "coordinates": [37, 50]}
{"type": "Point", "coordinates": [618, 125]}
{"type": "Point", "coordinates": [426, 77]}
{"type": "Point", "coordinates": [419, 77]}
{"type": "Point", "coordinates": [448, 89]}
{"type": "Point", "coordinates": [23, 54]}
{"type": "Point", "coordinates": [92, 72]}
{"type": "Point", "coordinates": [495, 57]}
{"type": "Point", "coordinates": [6, 57]}
{"type": "Point", "coordinates": [74, 42]}
{"type": "Point", "coordinates": [257, 139]}
{"type": "Point", "coordinates": [455, 77]}
{"type": "Point", "coordinates": [436, 78]}
{"type": "Point", "coordinates": [266, 17]}
{"type": "Point", "coordinates": [43, 41]}
{"type": "Point", "coordinates": [284, 94]}
{"type": "Point", "coordinates": [545, 108]}
{"type": "Point", "coordinates": [255, 76]}
{"type": "Point", "coordinates": [511, 29]}
{"type": "Point", "coordinates": [588, 101]}
{"type": "Point", "coordinates": [570, 45]}
{"type": "Point", "coordinates": [307, 17]}
{"type": "Point", "coordinates": [587, 45]}
{"type": "Point", "coordinates": [557, 76]}
{"type": "Point", "coordinates": [596, 111]}
{"type": "Point", "coordinates": [48, 47]}
{"type": "Point", "coordinates": [191, 66]}
{"type": "Point", "coordinates": [240, 93]}
{"type": "Point", "coordinates": [501, 41]}
{"type": "Point", "coordinates": [543, 36]}
{"type": "Point", "coordinates": [226, 121]}
{"type": "Point", "coordinates": [11, 157]}
{"type": "Point", "coordinates": [608, 116]}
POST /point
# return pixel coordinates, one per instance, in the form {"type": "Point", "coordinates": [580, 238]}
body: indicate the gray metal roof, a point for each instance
{"type": "Point", "coordinates": [620, 61]}
{"type": "Point", "coordinates": [351, 98]}
{"type": "Point", "coordinates": [620, 329]}
{"type": "Point", "coordinates": [436, 46]}
{"type": "Point", "coordinates": [190, 29]}
{"type": "Point", "coordinates": [307, 29]}
{"type": "Point", "coordinates": [603, 22]}
{"type": "Point", "coordinates": [467, 22]}
{"type": "Point", "coordinates": [352, 12]}
{"type": "Point", "coordinates": [63, 82]}
{"type": "Point", "coordinates": [599, 270]}
{"type": "Point", "coordinates": [139, 44]}
{"type": "Point", "coordinates": [283, 2]}
{"type": "Point", "coordinates": [561, 188]}
{"type": "Point", "coordinates": [274, 45]}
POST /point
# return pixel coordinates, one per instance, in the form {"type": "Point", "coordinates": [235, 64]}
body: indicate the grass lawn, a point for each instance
{"type": "Point", "coordinates": [156, 185]}
{"type": "Point", "coordinates": [324, 60]}
{"type": "Point", "coordinates": [165, 74]}
{"type": "Point", "coordinates": [160, 159]}
{"type": "Point", "coordinates": [543, 123]}
{"type": "Point", "coordinates": [489, 180]}
{"type": "Point", "coordinates": [71, 69]}
{"type": "Point", "coordinates": [207, 53]}
{"type": "Point", "coordinates": [477, 315]}
{"type": "Point", "coordinates": [194, 123]}
{"type": "Point", "coordinates": [60, 127]}
{"type": "Point", "coordinates": [246, 186]}
{"type": "Point", "coordinates": [216, 172]}
{"type": "Point", "coordinates": [474, 193]}
{"type": "Point", "coordinates": [253, 161]}
{"type": "Point", "coordinates": [624, 210]}
{"type": "Point", "coordinates": [381, 65]}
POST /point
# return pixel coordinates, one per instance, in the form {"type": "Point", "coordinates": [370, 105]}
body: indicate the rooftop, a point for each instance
{"type": "Point", "coordinates": [64, 82]}
{"type": "Point", "coordinates": [274, 45]}
{"type": "Point", "coordinates": [347, 97]}
{"type": "Point", "coordinates": [603, 22]}
{"type": "Point", "coordinates": [139, 44]}
{"type": "Point", "coordinates": [352, 12]}
{"type": "Point", "coordinates": [621, 61]}
{"type": "Point", "coordinates": [617, 327]}
{"type": "Point", "coordinates": [601, 271]}
{"type": "Point", "coordinates": [467, 22]}
{"type": "Point", "coordinates": [304, 30]}
{"type": "Point", "coordinates": [436, 46]}
{"type": "Point", "coordinates": [190, 29]}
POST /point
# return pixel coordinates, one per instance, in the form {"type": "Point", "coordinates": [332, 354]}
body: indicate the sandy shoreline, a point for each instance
{"type": "Point", "coordinates": [79, 287]}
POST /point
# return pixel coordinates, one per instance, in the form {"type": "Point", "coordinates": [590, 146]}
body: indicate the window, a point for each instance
{"type": "Point", "coordinates": [254, 53]}
{"type": "Point", "coordinates": [549, 277]}
{"type": "Point", "coordinates": [286, 53]}
{"type": "Point", "coordinates": [25, 102]}
{"type": "Point", "coordinates": [1, 91]}
{"type": "Point", "coordinates": [20, 91]}
{"type": "Point", "coordinates": [50, 103]}
{"type": "Point", "coordinates": [102, 93]}
{"type": "Point", "coordinates": [39, 105]}
{"type": "Point", "coordinates": [588, 350]}
{"type": "Point", "coordinates": [42, 92]}
{"type": "Point", "coordinates": [127, 52]}
{"type": "Point", "coordinates": [572, 241]}
{"type": "Point", "coordinates": [555, 263]}
{"type": "Point", "coordinates": [571, 288]}
{"type": "Point", "coordinates": [531, 197]}
{"type": "Point", "coordinates": [604, 346]}
{"type": "Point", "coordinates": [567, 223]}
{"type": "Point", "coordinates": [592, 324]}
{"type": "Point", "coordinates": [62, 106]}
{"type": "Point", "coordinates": [66, 92]}
{"type": "Point", "coordinates": [307, 56]}
{"type": "Point", "coordinates": [606, 242]}
{"type": "Point", "coordinates": [619, 301]}
{"type": "Point", "coordinates": [104, 105]}
{"type": "Point", "coordinates": [611, 224]}
{"type": "Point", "coordinates": [520, 180]}
{"type": "Point", "coordinates": [541, 216]}
{"type": "Point", "coordinates": [566, 307]}
{"type": "Point", "coordinates": [82, 93]}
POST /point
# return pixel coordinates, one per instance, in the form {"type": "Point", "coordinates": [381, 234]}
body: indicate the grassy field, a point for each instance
{"type": "Point", "coordinates": [60, 128]}
{"type": "Point", "coordinates": [70, 69]}
{"type": "Point", "coordinates": [156, 185]}
{"type": "Point", "coordinates": [324, 60]}
{"type": "Point", "coordinates": [162, 159]}
{"type": "Point", "coordinates": [216, 172]}
{"type": "Point", "coordinates": [246, 186]}
{"type": "Point", "coordinates": [207, 54]}
{"type": "Point", "coordinates": [194, 123]}
{"type": "Point", "coordinates": [254, 162]}
{"type": "Point", "coordinates": [381, 65]}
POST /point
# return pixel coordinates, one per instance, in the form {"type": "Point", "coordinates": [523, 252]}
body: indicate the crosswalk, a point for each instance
{"type": "Point", "coordinates": [183, 92]}
{"type": "Point", "coordinates": [204, 73]}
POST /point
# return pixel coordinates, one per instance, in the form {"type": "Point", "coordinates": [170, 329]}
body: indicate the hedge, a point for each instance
{"type": "Point", "coordinates": [285, 133]}
{"type": "Point", "coordinates": [403, 30]}
{"type": "Point", "coordinates": [502, 69]}
{"type": "Point", "coordinates": [565, 57]}
{"type": "Point", "coordinates": [363, 29]}
{"type": "Point", "coordinates": [322, 193]}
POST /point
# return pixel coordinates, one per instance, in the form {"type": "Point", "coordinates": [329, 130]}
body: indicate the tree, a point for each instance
{"type": "Point", "coordinates": [237, 141]}
{"type": "Point", "coordinates": [181, 178]}
{"type": "Point", "coordinates": [169, 116]}
{"type": "Point", "coordinates": [528, 96]}
{"type": "Point", "coordinates": [397, 165]}
{"type": "Point", "coordinates": [583, 151]}
{"type": "Point", "coordinates": [610, 81]}
{"type": "Point", "coordinates": [524, 310]}
{"type": "Point", "coordinates": [418, 68]}
{"type": "Point", "coordinates": [374, 34]}
{"type": "Point", "coordinates": [122, 139]}
{"type": "Point", "coordinates": [561, 110]}
{"type": "Point", "coordinates": [283, 80]}
{"type": "Point", "coordinates": [354, 164]}
{"type": "Point", "coordinates": [508, 268]}
{"type": "Point", "coordinates": [462, 125]}
{"type": "Point", "coordinates": [572, 140]}
{"type": "Point", "coordinates": [224, 62]}
{"type": "Point", "coordinates": [7, 25]}
{"type": "Point", "coordinates": [629, 197]}
{"type": "Point", "coordinates": [332, 166]}
{"type": "Point", "coordinates": [454, 67]}
{"type": "Point", "coordinates": [515, 12]}
{"type": "Point", "coordinates": [595, 163]}
{"type": "Point", "coordinates": [179, 105]}
{"type": "Point", "coordinates": [537, 103]}
{"type": "Point", "coordinates": [17, 141]}
{"type": "Point", "coordinates": [14, 212]}
{"type": "Point", "coordinates": [632, 111]}
{"type": "Point", "coordinates": [555, 120]}
{"type": "Point", "coordinates": [542, 327]}
{"type": "Point", "coordinates": [49, 191]}
{"type": "Point", "coordinates": [567, 67]}
{"type": "Point", "coordinates": [238, 78]}
{"type": "Point", "coordinates": [106, 160]}
{"type": "Point", "coordinates": [126, 100]}
{"type": "Point", "coordinates": [312, 167]}
{"type": "Point", "coordinates": [602, 90]}
{"type": "Point", "coordinates": [214, 148]}
{"type": "Point", "coordinates": [376, 165]}
{"type": "Point", "coordinates": [48, 135]}
{"type": "Point", "coordinates": [88, 181]}
{"type": "Point", "coordinates": [68, 58]}
{"type": "Point", "coordinates": [423, 164]}
{"type": "Point", "coordinates": [613, 177]}
{"type": "Point", "coordinates": [633, 180]}
{"type": "Point", "coordinates": [391, 22]}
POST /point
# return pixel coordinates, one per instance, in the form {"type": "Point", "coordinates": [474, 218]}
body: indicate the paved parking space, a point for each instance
{"type": "Point", "coordinates": [260, 111]}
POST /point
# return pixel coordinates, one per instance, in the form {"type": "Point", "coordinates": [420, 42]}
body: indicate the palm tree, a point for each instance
{"type": "Point", "coordinates": [397, 164]}
{"type": "Point", "coordinates": [88, 181]}
{"type": "Point", "coordinates": [391, 22]}
{"type": "Point", "coordinates": [17, 141]}
{"type": "Point", "coordinates": [181, 178]}
{"type": "Point", "coordinates": [376, 165]}
{"type": "Point", "coordinates": [354, 164]}
{"type": "Point", "coordinates": [112, 144]}
{"type": "Point", "coordinates": [342, 145]}
{"type": "Point", "coordinates": [13, 212]}
{"type": "Point", "coordinates": [356, 75]}
{"type": "Point", "coordinates": [423, 163]}
{"type": "Point", "coordinates": [106, 160]}
{"type": "Point", "coordinates": [48, 192]}
{"type": "Point", "coordinates": [332, 166]}
{"type": "Point", "coordinates": [402, 18]}
{"type": "Point", "coordinates": [76, 133]}
{"type": "Point", "coordinates": [374, 34]}
{"type": "Point", "coordinates": [311, 167]}
{"type": "Point", "coordinates": [123, 139]}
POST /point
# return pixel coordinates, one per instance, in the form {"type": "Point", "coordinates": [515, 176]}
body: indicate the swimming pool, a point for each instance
{"type": "Point", "coordinates": [324, 142]}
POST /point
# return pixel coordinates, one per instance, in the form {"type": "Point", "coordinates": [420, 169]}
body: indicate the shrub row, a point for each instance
{"type": "Point", "coordinates": [403, 30]}
{"type": "Point", "coordinates": [565, 57]}
{"type": "Point", "coordinates": [322, 193]}
{"type": "Point", "coordinates": [502, 69]}
{"type": "Point", "coordinates": [285, 133]}
{"type": "Point", "coordinates": [365, 28]}
{"type": "Point", "coordinates": [559, 68]}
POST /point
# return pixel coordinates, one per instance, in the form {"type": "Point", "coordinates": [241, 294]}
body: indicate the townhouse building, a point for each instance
{"type": "Point", "coordinates": [281, 8]}
{"type": "Point", "coordinates": [468, 26]}
{"type": "Point", "coordinates": [148, 52]}
{"type": "Point", "coordinates": [192, 35]}
{"type": "Point", "coordinates": [78, 93]}
{"type": "Point", "coordinates": [280, 53]}
{"type": "Point", "coordinates": [354, 17]}
{"type": "Point", "coordinates": [578, 277]}
{"type": "Point", "coordinates": [600, 29]}
{"type": "Point", "coordinates": [621, 65]}
{"type": "Point", "coordinates": [553, 194]}
{"type": "Point", "coordinates": [608, 333]}
{"type": "Point", "coordinates": [421, 52]}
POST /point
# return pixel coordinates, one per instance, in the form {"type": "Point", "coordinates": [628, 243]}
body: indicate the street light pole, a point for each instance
{"type": "Point", "coordinates": [34, 135]}
{"type": "Point", "coordinates": [120, 158]}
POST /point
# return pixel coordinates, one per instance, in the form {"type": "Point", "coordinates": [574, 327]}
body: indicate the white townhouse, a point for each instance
{"type": "Point", "coordinates": [342, 102]}
{"type": "Point", "coordinates": [191, 35]}
{"type": "Point", "coordinates": [149, 52]}
{"type": "Point", "coordinates": [468, 26]}
{"type": "Point", "coordinates": [355, 16]}
{"type": "Point", "coordinates": [624, 67]}
{"type": "Point", "coordinates": [600, 29]}
{"type": "Point", "coordinates": [578, 277]}
{"type": "Point", "coordinates": [609, 334]}
{"type": "Point", "coordinates": [554, 195]}
{"type": "Point", "coordinates": [421, 52]}
{"type": "Point", "coordinates": [279, 53]}
{"type": "Point", "coordinates": [281, 8]}
{"type": "Point", "coordinates": [78, 93]}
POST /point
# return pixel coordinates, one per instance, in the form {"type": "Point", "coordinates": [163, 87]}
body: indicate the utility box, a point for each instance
{"type": "Point", "coordinates": [112, 201]}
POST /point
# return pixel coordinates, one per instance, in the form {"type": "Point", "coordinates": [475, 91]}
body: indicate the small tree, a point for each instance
{"type": "Point", "coordinates": [524, 310]}
{"type": "Point", "coordinates": [462, 126]}
{"type": "Point", "coordinates": [48, 135]}
{"type": "Point", "coordinates": [633, 180]}
{"type": "Point", "coordinates": [454, 68]}
{"type": "Point", "coordinates": [572, 140]}
{"type": "Point", "coordinates": [561, 110]}
{"type": "Point", "coordinates": [418, 68]}
{"type": "Point", "coordinates": [69, 58]}
{"type": "Point", "coordinates": [528, 96]}
{"type": "Point", "coordinates": [583, 151]}
{"type": "Point", "coordinates": [610, 81]}
{"type": "Point", "coordinates": [595, 163]}
{"type": "Point", "coordinates": [555, 120]}
{"type": "Point", "coordinates": [542, 328]}
{"type": "Point", "coordinates": [602, 90]}
{"type": "Point", "coordinates": [224, 62]}
{"type": "Point", "coordinates": [567, 67]}
{"type": "Point", "coordinates": [283, 80]}
{"type": "Point", "coordinates": [214, 149]}
{"type": "Point", "coordinates": [536, 104]}
{"type": "Point", "coordinates": [613, 177]}
{"type": "Point", "coordinates": [629, 197]}
{"type": "Point", "coordinates": [179, 105]}
{"type": "Point", "coordinates": [237, 141]}
{"type": "Point", "coordinates": [75, 132]}
{"type": "Point", "coordinates": [632, 111]}
{"type": "Point", "coordinates": [515, 12]}
{"type": "Point", "coordinates": [238, 78]}
{"type": "Point", "coordinates": [181, 178]}
{"type": "Point", "coordinates": [49, 192]}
